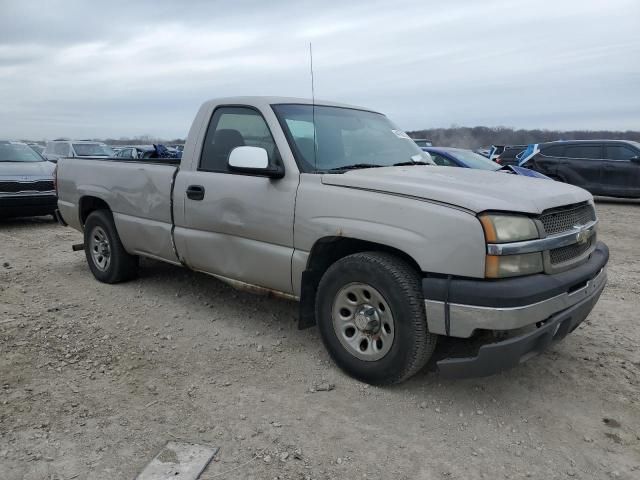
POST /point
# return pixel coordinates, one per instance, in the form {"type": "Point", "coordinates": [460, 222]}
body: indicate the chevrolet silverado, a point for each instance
{"type": "Point", "coordinates": [334, 206]}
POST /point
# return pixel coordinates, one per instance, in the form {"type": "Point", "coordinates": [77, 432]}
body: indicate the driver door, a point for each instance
{"type": "Point", "coordinates": [238, 226]}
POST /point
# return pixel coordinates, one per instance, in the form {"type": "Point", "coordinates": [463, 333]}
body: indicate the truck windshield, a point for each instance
{"type": "Point", "coordinates": [92, 149]}
{"type": "Point", "coordinates": [18, 152]}
{"type": "Point", "coordinates": [345, 138]}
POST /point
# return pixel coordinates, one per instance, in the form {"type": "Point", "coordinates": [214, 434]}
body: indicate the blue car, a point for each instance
{"type": "Point", "coordinates": [460, 157]}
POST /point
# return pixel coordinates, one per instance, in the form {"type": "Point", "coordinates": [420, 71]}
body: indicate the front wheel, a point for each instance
{"type": "Point", "coordinates": [371, 315]}
{"type": "Point", "coordinates": [108, 260]}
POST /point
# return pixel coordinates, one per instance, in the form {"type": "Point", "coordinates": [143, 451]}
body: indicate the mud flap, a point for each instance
{"type": "Point", "coordinates": [310, 281]}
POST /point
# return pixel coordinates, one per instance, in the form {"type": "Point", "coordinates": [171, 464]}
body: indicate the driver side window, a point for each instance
{"type": "Point", "coordinates": [232, 127]}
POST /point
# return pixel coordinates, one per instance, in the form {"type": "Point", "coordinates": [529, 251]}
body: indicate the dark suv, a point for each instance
{"type": "Point", "coordinates": [505, 154]}
{"type": "Point", "coordinates": [604, 167]}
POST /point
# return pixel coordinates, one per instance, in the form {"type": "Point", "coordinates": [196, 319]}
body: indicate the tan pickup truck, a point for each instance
{"type": "Point", "coordinates": [334, 206]}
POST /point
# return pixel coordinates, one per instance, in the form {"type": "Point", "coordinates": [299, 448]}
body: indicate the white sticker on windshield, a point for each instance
{"type": "Point", "coordinates": [401, 134]}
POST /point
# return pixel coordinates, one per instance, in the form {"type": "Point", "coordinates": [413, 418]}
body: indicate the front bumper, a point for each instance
{"type": "Point", "coordinates": [459, 307]}
{"type": "Point", "coordinates": [497, 357]}
{"type": "Point", "coordinates": [21, 205]}
{"type": "Point", "coordinates": [547, 306]}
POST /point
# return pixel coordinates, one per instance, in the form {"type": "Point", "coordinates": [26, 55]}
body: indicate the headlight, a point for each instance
{"type": "Point", "coordinates": [502, 228]}
{"type": "Point", "coordinates": [500, 266]}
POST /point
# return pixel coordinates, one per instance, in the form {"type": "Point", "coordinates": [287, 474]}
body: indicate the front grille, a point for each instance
{"type": "Point", "coordinates": [570, 252]}
{"type": "Point", "coordinates": [17, 187]}
{"type": "Point", "coordinates": [563, 220]}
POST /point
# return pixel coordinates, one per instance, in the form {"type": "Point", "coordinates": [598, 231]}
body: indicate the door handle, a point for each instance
{"type": "Point", "coordinates": [195, 192]}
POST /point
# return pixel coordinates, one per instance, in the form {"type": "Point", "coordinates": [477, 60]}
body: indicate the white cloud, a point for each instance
{"type": "Point", "coordinates": [129, 69]}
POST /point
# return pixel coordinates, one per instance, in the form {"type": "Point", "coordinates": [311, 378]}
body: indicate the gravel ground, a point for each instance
{"type": "Point", "coordinates": [94, 379]}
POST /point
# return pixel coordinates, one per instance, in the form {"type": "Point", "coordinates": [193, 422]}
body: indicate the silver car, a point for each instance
{"type": "Point", "coordinates": [26, 182]}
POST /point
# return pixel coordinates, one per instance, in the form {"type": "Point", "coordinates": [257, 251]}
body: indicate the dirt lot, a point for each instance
{"type": "Point", "coordinates": [94, 379]}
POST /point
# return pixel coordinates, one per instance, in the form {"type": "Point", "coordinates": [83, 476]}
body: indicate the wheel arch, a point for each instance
{"type": "Point", "coordinates": [324, 253]}
{"type": "Point", "coordinates": [88, 204]}
{"type": "Point", "coordinates": [327, 250]}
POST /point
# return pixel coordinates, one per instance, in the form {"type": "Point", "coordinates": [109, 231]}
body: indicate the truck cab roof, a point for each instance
{"type": "Point", "coordinates": [265, 101]}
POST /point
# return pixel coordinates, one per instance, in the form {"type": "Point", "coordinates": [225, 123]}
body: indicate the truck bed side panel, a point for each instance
{"type": "Point", "coordinates": [138, 194]}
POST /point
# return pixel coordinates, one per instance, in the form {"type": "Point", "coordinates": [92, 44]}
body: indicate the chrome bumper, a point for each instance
{"type": "Point", "coordinates": [464, 320]}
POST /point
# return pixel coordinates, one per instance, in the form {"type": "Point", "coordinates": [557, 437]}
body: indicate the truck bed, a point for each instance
{"type": "Point", "coordinates": [155, 161]}
{"type": "Point", "coordinates": [138, 192]}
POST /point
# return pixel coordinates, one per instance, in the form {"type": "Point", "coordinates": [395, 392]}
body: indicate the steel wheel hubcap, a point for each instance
{"type": "Point", "coordinates": [100, 248]}
{"type": "Point", "coordinates": [363, 321]}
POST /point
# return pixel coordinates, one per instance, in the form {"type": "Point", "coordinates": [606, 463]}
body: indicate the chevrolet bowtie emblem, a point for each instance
{"type": "Point", "coordinates": [583, 236]}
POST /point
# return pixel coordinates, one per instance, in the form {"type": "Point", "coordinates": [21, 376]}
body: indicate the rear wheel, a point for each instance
{"type": "Point", "coordinates": [371, 316]}
{"type": "Point", "coordinates": [108, 260]}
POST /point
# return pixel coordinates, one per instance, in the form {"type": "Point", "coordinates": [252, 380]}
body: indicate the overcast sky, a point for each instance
{"type": "Point", "coordinates": [111, 69]}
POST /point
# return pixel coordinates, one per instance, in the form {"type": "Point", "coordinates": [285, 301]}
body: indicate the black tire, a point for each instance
{"type": "Point", "coordinates": [400, 286]}
{"type": "Point", "coordinates": [120, 266]}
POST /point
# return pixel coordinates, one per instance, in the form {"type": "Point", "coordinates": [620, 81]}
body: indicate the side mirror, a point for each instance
{"type": "Point", "coordinates": [635, 159]}
{"type": "Point", "coordinates": [254, 161]}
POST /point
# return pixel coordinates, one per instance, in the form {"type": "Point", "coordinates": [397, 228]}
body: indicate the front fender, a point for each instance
{"type": "Point", "coordinates": [439, 238]}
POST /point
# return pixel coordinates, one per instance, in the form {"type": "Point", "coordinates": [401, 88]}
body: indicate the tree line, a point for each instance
{"type": "Point", "coordinates": [141, 140]}
{"type": "Point", "coordinates": [476, 137]}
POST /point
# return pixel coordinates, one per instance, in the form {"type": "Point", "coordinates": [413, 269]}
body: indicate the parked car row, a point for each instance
{"type": "Point", "coordinates": [27, 170]}
{"type": "Point", "coordinates": [603, 167]}
{"type": "Point", "coordinates": [460, 157]}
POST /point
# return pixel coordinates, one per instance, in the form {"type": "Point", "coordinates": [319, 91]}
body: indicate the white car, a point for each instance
{"type": "Point", "coordinates": [57, 149]}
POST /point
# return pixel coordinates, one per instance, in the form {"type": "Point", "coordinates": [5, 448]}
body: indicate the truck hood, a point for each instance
{"type": "Point", "coordinates": [26, 170]}
{"type": "Point", "coordinates": [475, 190]}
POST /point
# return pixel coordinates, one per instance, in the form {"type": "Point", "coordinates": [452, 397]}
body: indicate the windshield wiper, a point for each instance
{"type": "Point", "coordinates": [354, 166]}
{"type": "Point", "coordinates": [357, 166]}
{"type": "Point", "coordinates": [404, 164]}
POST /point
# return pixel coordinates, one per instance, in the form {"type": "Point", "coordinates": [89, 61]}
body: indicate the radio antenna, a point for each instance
{"type": "Point", "coordinates": [313, 109]}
